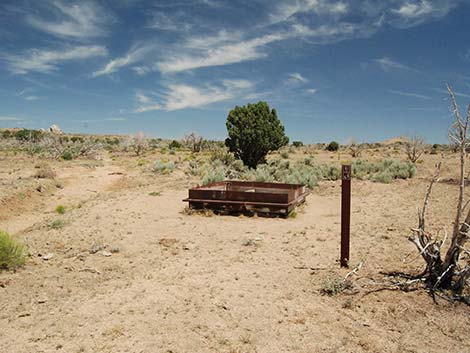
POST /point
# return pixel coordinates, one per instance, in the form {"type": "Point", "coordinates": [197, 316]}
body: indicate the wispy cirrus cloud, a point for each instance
{"type": "Point", "coordinates": [387, 63]}
{"type": "Point", "coordinates": [135, 54]}
{"type": "Point", "coordinates": [9, 118]}
{"type": "Point", "coordinates": [414, 12]}
{"type": "Point", "coordinates": [295, 78]}
{"type": "Point", "coordinates": [409, 94]}
{"type": "Point", "coordinates": [287, 9]}
{"type": "Point", "coordinates": [79, 20]}
{"type": "Point", "coordinates": [311, 90]}
{"type": "Point", "coordinates": [183, 96]}
{"type": "Point", "coordinates": [47, 61]}
{"type": "Point", "coordinates": [225, 49]}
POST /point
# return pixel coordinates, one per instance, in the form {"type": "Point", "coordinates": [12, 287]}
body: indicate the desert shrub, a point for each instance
{"type": "Point", "coordinates": [301, 174]}
{"type": "Point", "coordinates": [253, 131]}
{"type": "Point", "coordinates": [262, 173]}
{"type": "Point", "coordinates": [385, 171]}
{"type": "Point", "coordinates": [160, 167]}
{"type": "Point", "coordinates": [193, 168]}
{"type": "Point", "coordinates": [44, 171]}
{"type": "Point", "coordinates": [60, 209]}
{"type": "Point", "coordinates": [283, 171]}
{"type": "Point", "coordinates": [333, 286]}
{"type": "Point", "coordinates": [175, 145]}
{"type": "Point", "coordinates": [284, 154]}
{"type": "Point", "coordinates": [297, 143]}
{"type": "Point", "coordinates": [213, 175]}
{"type": "Point", "coordinates": [6, 134]}
{"type": "Point", "coordinates": [414, 147]}
{"type": "Point", "coordinates": [330, 172]}
{"type": "Point", "coordinates": [332, 146]}
{"type": "Point", "coordinates": [194, 142]}
{"type": "Point", "coordinates": [362, 169]}
{"type": "Point", "coordinates": [67, 155]}
{"type": "Point", "coordinates": [223, 155]}
{"type": "Point", "coordinates": [139, 143]}
{"type": "Point", "coordinates": [12, 253]}
{"type": "Point", "coordinates": [309, 160]}
{"type": "Point", "coordinates": [29, 135]}
{"type": "Point", "coordinates": [57, 223]}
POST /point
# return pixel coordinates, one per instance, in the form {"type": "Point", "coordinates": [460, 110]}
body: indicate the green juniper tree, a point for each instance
{"type": "Point", "coordinates": [253, 131]}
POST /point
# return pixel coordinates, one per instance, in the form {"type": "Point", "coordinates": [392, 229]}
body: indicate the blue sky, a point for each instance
{"type": "Point", "coordinates": [341, 69]}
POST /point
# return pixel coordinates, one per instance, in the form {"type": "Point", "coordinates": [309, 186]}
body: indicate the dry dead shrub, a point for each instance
{"type": "Point", "coordinates": [447, 269]}
{"type": "Point", "coordinates": [44, 171]}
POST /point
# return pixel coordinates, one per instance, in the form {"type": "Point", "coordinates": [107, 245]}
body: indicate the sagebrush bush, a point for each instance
{"type": "Point", "coordinates": [213, 175]}
{"type": "Point", "coordinates": [333, 286]}
{"type": "Point", "coordinates": [12, 253]}
{"type": "Point", "coordinates": [160, 167]}
{"type": "Point", "coordinates": [57, 223]}
{"type": "Point", "coordinates": [384, 171]}
{"type": "Point", "coordinates": [60, 209]}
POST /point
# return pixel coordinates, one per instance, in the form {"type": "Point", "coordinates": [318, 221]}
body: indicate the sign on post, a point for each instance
{"type": "Point", "coordinates": [345, 213]}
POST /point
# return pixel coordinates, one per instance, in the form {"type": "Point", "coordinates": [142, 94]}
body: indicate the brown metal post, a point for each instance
{"type": "Point", "coordinates": [345, 213]}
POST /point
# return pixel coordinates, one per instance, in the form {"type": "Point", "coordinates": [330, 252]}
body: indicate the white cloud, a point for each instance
{"type": "Point", "coordinates": [134, 55]}
{"type": "Point", "coordinates": [414, 9]}
{"type": "Point", "coordinates": [219, 55]}
{"type": "Point", "coordinates": [48, 60]}
{"type": "Point", "coordinates": [386, 63]}
{"type": "Point", "coordinates": [296, 78]}
{"type": "Point", "coordinates": [32, 98]}
{"type": "Point", "coordinates": [409, 94]}
{"type": "Point", "coordinates": [183, 96]}
{"type": "Point", "coordinates": [9, 118]}
{"type": "Point", "coordinates": [116, 119]}
{"type": "Point", "coordinates": [228, 48]}
{"type": "Point", "coordinates": [141, 70]}
{"type": "Point", "coordinates": [311, 90]}
{"type": "Point", "coordinates": [163, 22]}
{"type": "Point", "coordinates": [78, 20]}
{"type": "Point", "coordinates": [288, 9]}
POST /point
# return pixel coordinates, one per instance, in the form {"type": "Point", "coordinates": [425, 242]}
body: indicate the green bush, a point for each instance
{"type": "Point", "coordinates": [60, 209]}
{"type": "Point", "coordinates": [332, 146]}
{"type": "Point", "coordinates": [213, 176]}
{"type": "Point", "coordinates": [160, 167]}
{"type": "Point", "coordinates": [297, 143]}
{"type": "Point", "coordinates": [193, 168]}
{"type": "Point", "coordinates": [67, 155]}
{"type": "Point", "coordinates": [330, 172]}
{"type": "Point", "coordinates": [7, 134]}
{"type": "Point", "coordinates": [385, 171]}
{"type": "Point", "coordinates": [12, 253]}
{"type": "Point", "coordinates": [29, 135]}
{"type": "Point", "coordinates": [175, 145]}
{"type": "Point", "coordinates": [285, 154]}
{"type": "Point", "coordinates": [57, 223]}
{"type": "Point", "coordinates": [333, 286]}
{"type": "Point", "coordinates": [253, 131]}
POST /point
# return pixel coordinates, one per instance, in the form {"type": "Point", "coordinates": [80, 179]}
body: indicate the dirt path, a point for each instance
{"type": "Point", "coordinates": [77, 185]}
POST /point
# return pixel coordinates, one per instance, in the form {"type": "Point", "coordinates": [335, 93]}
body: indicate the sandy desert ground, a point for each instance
{"type": "Point", "coordinates": [128, 271]}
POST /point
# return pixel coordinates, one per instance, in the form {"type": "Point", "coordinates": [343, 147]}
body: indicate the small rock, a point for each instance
{"type": "Point", "coordinates": [105, 253]}
{"type": "Point", "coordinates": [48, 257]}
{"type": "Point", "coordinates": [96, 247]}
{"type": "Point", "coordinates": [114, 249]}
{"type": "Point", "coordinates": [41, 301]}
